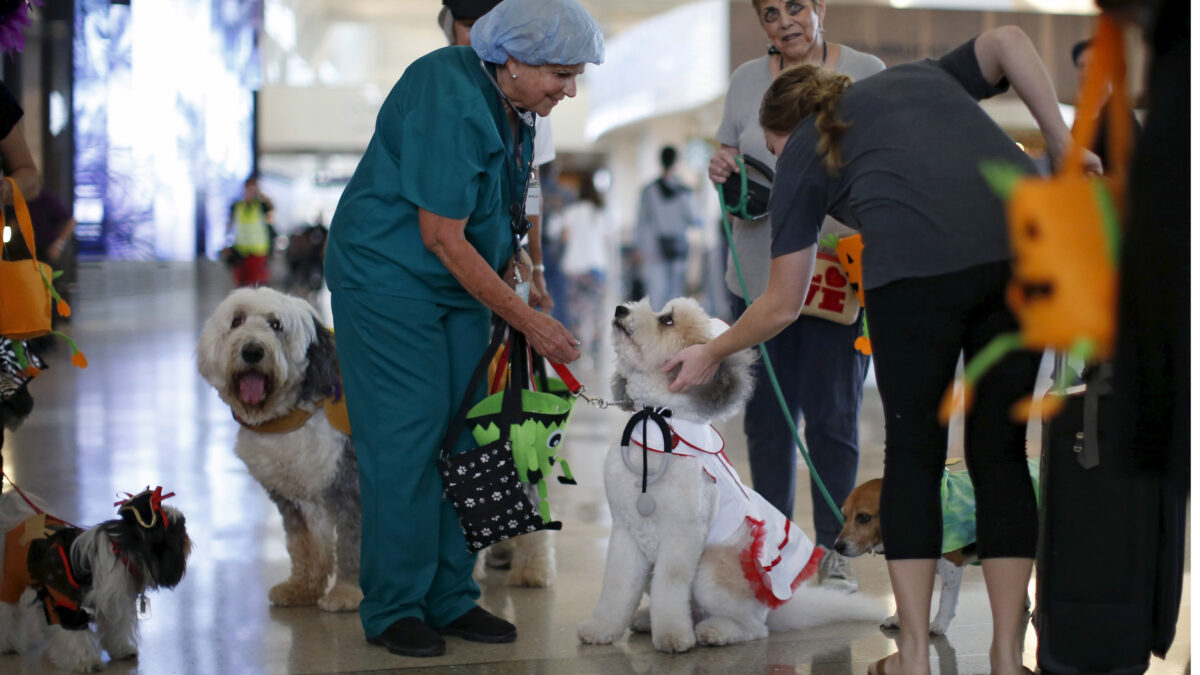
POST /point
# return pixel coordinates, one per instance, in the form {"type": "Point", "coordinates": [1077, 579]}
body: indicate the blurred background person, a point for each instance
{"type": "Point", "coordinates": [587, 235]}
{"type": "Point", "coordinates": [555, 198]}
{"type": "Point", "coordinates": [250, 224]}
{"type": "Point", "coordinates": [665, 215]}
{"type": "Point", "coordinates": [820, 371]}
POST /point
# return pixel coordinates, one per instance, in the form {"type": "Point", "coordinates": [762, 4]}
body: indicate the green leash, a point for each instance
{"type": "Point", "coordinates": [739, 210]}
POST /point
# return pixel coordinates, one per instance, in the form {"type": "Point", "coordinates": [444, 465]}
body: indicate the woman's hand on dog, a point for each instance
{"type": "Point", "coordinates": [550, 338]}
{"type": "Point", "coordinates": [696, 366]}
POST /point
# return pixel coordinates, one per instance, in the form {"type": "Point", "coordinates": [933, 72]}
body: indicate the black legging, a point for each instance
{"type": "Point", "coordinates": [918, 327]}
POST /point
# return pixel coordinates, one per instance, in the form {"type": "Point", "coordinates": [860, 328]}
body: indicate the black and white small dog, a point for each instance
{"type": "Point", "coordinates": [58, 579]}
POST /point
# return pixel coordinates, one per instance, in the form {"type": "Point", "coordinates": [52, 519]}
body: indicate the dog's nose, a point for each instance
{"type": "Point", "coordinates": [840, 547]}
{"type": "Point", "coordinates": [253, 352]}
{"type": "Point", "coordinates": [622, 310]}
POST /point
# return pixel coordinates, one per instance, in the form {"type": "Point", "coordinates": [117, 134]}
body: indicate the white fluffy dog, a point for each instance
{"type": "Point", "coordinates": [270, 358]}
{"type": "Point", "coordinates": [58, 578]}
{"type": "Point", "coordinates": [719, 562]}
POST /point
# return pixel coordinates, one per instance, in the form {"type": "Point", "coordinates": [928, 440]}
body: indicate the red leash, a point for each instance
{"type": "Point", "coordinates": [30, 502]}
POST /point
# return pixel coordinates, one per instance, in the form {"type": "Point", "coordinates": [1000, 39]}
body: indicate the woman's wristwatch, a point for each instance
{"type": "Point", "coordinates": [539, 268]}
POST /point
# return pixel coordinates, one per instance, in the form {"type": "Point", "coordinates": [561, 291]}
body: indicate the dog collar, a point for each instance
{"type": "Point", "coordinates": [335, 411]}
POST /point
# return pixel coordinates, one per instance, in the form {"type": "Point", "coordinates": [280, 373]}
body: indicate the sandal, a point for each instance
{"type": "Point", "coordinates": [878, 668]}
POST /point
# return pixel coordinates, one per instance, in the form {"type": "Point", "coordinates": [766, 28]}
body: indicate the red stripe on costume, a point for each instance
{"type": "Point", "coordinates": [755, 573]}
{"type": "Point", "coordinates": [67, 569]}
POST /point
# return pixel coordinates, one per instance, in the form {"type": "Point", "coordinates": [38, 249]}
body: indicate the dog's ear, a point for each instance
{"type": "Point", "coordinates": [321, 379]}
{"type": "Point", "coordinates": [729, 388]}
{"type": "Point", "coordinates": [171, 549]}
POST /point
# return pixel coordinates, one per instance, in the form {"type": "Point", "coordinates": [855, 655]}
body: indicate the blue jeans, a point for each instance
{"type": "Point", "coordinates": [821, 375]}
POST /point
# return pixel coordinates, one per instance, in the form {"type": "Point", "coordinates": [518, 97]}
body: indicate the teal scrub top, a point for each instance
{"type": "Point", "coordinates": [441, 142]}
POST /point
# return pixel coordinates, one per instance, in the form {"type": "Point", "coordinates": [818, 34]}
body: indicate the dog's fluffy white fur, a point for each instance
{"type": "Point", "coordinates": [110, 597]}
{"type": "Point", "coordinates": [267, 353]}
{"type": "Point", "coordinates": [698, 594]}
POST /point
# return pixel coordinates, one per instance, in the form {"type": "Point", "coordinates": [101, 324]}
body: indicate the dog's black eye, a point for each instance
{"type": "Point", "coordinates": [238, 319]}
{"type": "Point", "coordinates": [667, 319]}
{"type": "Point", "coordinates": [863, 518]}
{"type": "Point", "coordinates": [275, 324]}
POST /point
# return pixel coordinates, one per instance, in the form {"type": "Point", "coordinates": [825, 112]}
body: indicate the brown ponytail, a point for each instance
{"type": "Point", "coordinates": [805, 90]}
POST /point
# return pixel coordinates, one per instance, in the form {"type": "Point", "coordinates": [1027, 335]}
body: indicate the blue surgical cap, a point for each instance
{"type": "Point", "coordinates": [538, 32]}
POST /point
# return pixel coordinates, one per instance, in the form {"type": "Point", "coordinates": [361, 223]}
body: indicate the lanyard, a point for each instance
{"type": "Point", "coordinates": [518, 172]}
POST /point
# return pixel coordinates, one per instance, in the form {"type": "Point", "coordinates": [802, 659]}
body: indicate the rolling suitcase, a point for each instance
{"type": "Point", "coordinates": [1098, 554]}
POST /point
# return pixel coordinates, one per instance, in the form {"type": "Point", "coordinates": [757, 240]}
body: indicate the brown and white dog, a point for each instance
{"type": "Point", "coordinates": [861, 534]}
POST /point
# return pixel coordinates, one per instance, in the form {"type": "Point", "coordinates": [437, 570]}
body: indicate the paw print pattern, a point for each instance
{"type": "Point", "coordinates": [491, 503]}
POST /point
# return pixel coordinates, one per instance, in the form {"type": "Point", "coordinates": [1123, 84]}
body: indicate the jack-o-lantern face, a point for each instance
{"type": "Point", "coordinates": [849, 253]}
{"type": "Point", "coordinates": [1064, 284]}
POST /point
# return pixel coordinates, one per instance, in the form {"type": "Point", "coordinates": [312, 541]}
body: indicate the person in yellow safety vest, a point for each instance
{"type": "Point", "coordinates": [250, 223]}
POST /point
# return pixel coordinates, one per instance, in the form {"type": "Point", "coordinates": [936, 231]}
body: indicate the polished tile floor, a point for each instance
{"type": "Point", "coordinates": [140, 415]}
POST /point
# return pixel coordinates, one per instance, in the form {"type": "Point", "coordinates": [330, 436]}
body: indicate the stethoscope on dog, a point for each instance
{"type": "Point", "coordinates": [645, 502]}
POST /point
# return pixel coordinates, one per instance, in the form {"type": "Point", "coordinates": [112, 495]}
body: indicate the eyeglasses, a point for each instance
{"type": "Point", "coordinates": [771, 14]}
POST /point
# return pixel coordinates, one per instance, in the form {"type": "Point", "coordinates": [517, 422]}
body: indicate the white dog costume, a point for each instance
{"type": "Point", "coordinates": [710, 549]}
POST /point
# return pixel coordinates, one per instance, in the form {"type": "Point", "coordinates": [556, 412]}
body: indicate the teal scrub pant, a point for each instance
{"type": "Point", "coordinates": [405, 365]}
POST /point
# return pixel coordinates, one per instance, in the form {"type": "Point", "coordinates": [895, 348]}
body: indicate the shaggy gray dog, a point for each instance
{"type": "Point", "coordinates": [270, 358]}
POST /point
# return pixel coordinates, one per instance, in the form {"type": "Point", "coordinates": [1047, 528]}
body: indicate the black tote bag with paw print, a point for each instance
{"type": "Point", "coordinates": [482, 484]}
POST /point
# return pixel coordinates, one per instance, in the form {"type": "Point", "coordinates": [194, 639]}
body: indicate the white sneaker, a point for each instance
{"type": "Point", "coordinates": [835, 572]}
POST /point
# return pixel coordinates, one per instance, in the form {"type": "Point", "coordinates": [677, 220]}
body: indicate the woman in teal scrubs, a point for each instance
{"type": "Point", "coordinates": [420, 255]}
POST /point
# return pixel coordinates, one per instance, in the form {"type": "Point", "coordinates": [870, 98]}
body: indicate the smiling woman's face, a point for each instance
{"type": "Point", "coordinates": [792, 26]}
{"type": "Point", "coordinates": [540, 88]}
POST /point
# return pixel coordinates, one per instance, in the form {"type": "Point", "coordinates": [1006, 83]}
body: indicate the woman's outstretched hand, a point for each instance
{"type": "Point", "coordinates": [550, 338]}
{"type": "Point", "coordinates": [696, 366]}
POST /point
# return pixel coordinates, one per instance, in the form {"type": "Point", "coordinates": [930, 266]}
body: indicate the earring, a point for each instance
{"type": "Point", "coordinates": [514, 76]}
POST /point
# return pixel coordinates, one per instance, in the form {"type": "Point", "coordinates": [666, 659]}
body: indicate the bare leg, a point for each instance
{"type": "Point", "coordinates": [912, 583]}
{"type": "Point", "coordinates": [1007, 581]}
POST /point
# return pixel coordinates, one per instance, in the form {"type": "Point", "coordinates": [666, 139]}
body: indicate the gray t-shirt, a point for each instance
{"type": "Point", "coordinates": [911, 182]}
{"type": "Point", "coordinates": [739, 128]}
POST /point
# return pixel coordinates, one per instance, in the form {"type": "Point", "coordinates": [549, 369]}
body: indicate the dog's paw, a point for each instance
{"type": "Point", "coordinates": [641, 620]}
{"type": "Point", "coordinates": [123, 655]}
{"type": "Point", "coordinates": [293, 594]}
{"type": "Point", "coordinates": [674, 641]}
{"type": "Point", "coordinates": [938, 627]}
{"type": "Point", "coordinates": [79, 663]}
{"type": "Point", "coordinates": [890, 623]}
{"type": "Point", "coordinates": [499, 555]}
{"type": "Point", "coordinates": [341, 598]}
{"type": "Point", "coordinates": [595, 632]}
{"type": "Point", "coordinates": [538, 574]}
{"type": "Point", "coordinates": [713, 632]}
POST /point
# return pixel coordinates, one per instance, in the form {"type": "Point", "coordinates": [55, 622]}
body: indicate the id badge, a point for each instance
{"type": "Point", "coordinates": [522, 290]}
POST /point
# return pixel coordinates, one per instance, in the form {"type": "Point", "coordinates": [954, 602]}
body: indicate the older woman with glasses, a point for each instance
{"type": "Point", "coordinates": [820, 371]}
{"type": "Point", "coordinates": [420, 249]}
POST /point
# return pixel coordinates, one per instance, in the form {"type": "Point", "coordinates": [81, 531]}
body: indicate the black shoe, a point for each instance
{"type": "Point", "coordinates": [480, 625]}
{"type": "Point", "coordinates": [410, 637]}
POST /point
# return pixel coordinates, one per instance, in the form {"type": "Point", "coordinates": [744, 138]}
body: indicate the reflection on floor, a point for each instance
{"type": "Point", "coordinates": [140, 415]}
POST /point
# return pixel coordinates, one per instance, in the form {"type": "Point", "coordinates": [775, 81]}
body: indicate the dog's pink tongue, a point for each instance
{"type": "Point", "coordinates": [250, 389]}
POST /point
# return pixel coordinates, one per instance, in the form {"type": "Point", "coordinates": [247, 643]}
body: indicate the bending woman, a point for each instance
{"type": "Point", "coordinates": [896, 156]}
